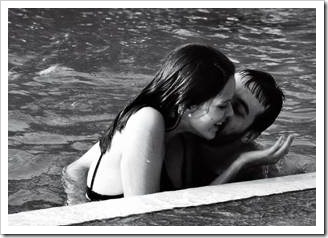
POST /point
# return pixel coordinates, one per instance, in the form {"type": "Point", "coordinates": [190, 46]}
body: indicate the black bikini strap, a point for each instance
{"type": "Point", "coordinates": [94, 172]}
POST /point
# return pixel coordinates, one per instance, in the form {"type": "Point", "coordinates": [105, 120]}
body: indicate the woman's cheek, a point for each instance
{"type": "Point", "coordinates": [220, 114]}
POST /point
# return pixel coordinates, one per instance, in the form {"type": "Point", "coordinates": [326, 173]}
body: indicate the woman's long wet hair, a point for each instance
{"type": "Point", "coordinates": [189, 76]}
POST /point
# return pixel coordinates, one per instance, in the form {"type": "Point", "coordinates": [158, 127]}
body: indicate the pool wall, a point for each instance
{"type": "Point", "coordinates": [61, 216]}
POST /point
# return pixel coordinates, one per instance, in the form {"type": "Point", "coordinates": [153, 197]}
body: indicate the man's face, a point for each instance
{"type": "Point", "coordinates": [245, 107]}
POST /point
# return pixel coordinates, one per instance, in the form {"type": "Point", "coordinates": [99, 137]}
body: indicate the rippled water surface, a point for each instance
{"type": "Point", "coordinates": [71, 71]}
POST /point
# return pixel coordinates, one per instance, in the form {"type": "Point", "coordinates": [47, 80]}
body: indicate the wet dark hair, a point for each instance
{"type": "Point", "coordinates": [266, 90]}
{"type": "Point", "coordinates": [189, 75]}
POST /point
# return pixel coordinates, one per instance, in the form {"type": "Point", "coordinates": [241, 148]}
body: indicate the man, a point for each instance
{"type": "Point", "coordinates": [256, 104]}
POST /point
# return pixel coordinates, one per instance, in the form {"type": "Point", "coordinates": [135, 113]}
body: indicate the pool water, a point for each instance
{"type": "Point", "coordinates": [72, 70]}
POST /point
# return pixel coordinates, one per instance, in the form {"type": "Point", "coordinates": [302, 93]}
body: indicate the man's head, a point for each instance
{"type": "Point", "coordinates": [256, 104]}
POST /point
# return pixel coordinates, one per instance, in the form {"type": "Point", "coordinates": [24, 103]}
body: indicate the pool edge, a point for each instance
{"type": "Point", "coordinates": [68, 215]}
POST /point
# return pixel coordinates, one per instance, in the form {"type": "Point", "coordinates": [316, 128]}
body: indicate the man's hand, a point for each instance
{"type": "Point", "coordinates": [270, 155]}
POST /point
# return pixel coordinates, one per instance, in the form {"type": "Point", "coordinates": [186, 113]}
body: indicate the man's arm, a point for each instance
{"type": "Point", "coordinates": [270, 155]}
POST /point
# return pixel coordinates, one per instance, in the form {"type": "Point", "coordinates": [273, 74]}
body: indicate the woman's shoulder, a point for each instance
{"type": "Point", "coordinates": [147, 117]}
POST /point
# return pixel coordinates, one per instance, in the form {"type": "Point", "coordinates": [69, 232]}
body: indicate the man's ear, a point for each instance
{"type": "Point", "coordinates": [249, 136]}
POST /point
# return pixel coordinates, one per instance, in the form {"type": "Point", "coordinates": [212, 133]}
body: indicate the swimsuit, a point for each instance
{"type": "Point", "coordinates": [93, 196]}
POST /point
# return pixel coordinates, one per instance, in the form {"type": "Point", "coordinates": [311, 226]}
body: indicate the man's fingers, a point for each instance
{"type": "Point", "coordinates": [285, 146]}
{"type": "Point", "coordinates": [275, 147]}
{"type": "Point", "coordinates": [273, 153]}
{"type": "Point", "coordinates": [269, 151]}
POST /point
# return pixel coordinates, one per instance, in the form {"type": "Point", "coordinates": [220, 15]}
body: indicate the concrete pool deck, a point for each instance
{"type": "Point", "coordinates": [82, 213]}
{"type": "Point", "coordinates": [297, 208]}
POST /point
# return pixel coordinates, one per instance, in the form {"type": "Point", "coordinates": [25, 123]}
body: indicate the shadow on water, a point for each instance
{"type": "Point", "coordinates": [71, 71]}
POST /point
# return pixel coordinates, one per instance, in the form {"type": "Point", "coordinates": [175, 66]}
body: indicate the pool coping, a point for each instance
{"type": "Point", "coordinates": [67, 215]}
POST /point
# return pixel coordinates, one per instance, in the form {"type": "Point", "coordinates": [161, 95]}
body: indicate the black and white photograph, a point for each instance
{"type": "Point", "coordinates": [133, 117]}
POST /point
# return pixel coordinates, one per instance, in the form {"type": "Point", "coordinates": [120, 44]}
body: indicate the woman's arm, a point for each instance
{"type": "Point", "coordinates": [270, 155]}
{"type": "Point", "coordinates": [75, 169]}
{"type": "Point", "coordinates": [143, 152]}
{"type": "Point", "coordinates": [74, 176]}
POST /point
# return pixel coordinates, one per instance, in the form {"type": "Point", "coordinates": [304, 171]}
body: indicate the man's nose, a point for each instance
{"type": "Point", "coordinates": [229, 112]}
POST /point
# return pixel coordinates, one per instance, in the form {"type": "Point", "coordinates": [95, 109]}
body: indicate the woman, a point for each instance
{"type": "Point", "coordinates": [191, 93]}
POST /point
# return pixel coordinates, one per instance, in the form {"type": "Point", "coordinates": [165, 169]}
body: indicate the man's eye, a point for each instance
{"type": "Point", "coordinates": [238, 109]}
{"type": "Point", "coordinates": [234, 105]}
{"type": "Point", "coordinates": [222, 106]}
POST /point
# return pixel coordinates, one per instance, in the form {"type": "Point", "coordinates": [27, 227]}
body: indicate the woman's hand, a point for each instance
{"type": "Point", "coordinates": [270, 155]}
{"type": "Point", "coordinates": [74, 183]}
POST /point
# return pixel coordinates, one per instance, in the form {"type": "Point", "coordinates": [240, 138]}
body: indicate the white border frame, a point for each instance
{"type": "Point", "coordinates": [318, 5]}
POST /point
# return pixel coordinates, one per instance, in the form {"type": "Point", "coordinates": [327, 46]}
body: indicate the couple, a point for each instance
{"type": "Point", "coordinates": [177, 132]}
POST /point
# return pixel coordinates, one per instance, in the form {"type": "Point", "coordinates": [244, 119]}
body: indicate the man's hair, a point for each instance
{"type": "Point", "coordinates": [264, 87]}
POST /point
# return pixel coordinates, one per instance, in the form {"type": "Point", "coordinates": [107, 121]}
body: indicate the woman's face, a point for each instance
{"type": "Point", "coordinates": [206, 119]}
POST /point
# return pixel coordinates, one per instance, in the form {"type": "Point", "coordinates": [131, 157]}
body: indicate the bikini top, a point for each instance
{"type": "Point", "coordinates": [95, 171]}
{"type": "Point", "coordinates": [165, 182]}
